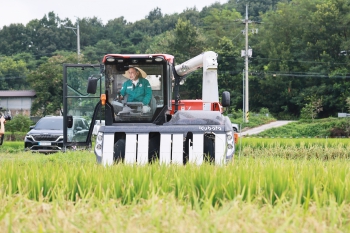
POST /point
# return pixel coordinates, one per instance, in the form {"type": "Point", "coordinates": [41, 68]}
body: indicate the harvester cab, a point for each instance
{"type": "Point", "coordinates": [157, 127]}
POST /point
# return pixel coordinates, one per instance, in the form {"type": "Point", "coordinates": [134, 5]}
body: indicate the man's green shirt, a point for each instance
{"type": "Point", "coordinates": [142, 92]}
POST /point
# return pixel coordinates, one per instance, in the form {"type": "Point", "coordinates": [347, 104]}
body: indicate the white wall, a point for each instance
{"type": "Point", "coordinates": [17, 105]}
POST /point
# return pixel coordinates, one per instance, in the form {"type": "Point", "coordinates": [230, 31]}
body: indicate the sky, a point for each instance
{"type": "Point", "coordinates": [22, 11]}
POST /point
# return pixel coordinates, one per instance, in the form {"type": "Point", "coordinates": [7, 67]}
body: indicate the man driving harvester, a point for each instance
{"type": "Point", "coordinates": [137, 88]}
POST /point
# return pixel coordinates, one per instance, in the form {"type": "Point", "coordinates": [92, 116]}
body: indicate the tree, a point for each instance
{"type": "Point", "coordinates": [230, 68]}
{"type": "Point", "coordinates": [104, 47]}
{"type": "Point", "coordinates": [155, 14]}
{"type": "Point", "coordinates": [348, 103]}
{"type": "Point", "coordinates": [312, 108]}
{"type": "Point", "coordinates": [91, 31]}
{"type": "Point", "coordinates": [14, 39]}
{"type": "Point", "coordinates": [115, 30]}
{"type": "Point", "coordinates": [187, 42]}
{"type": "Point", "coordinates": [11, 74]}
{"type": "Point", "coordinates": [48, 35]}
{"type": "Point", "coordinates": [297, 53]}
{"type": "Point", "coordinates": [28, 58]}
{"type": "Point", "coordinates": [256, 7]}
{"type": "Point", "coordinates": [47, 81]}
{"type": "Point", "coordinates": [222, 23]}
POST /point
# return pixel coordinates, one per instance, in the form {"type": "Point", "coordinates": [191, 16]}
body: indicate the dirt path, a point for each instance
{"type": "Point", "coordinates": [261, 128]}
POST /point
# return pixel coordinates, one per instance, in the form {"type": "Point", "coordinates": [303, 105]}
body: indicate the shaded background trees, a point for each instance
{"type": "Point", "coordinates": [301, 50]}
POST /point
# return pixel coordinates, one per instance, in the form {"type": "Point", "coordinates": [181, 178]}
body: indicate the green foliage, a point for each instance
{"type": "Point", "coordinates": [219, 24]}
{"type": "Point", "coordinates": [303, 183]}
{"type": "Point", "coordinates": [297, 52]}
{"type": "Point", "coordinates": [310, 128]}
{"type": "Point", "coordinates": [255, 119]}
{"type": "Point", "coordinates": [11, 146]}
{"type": "Point", "coordinates": [188, 41]}
{"type": "Point", "coordinates": [312, 108]}
{"type": "Point", "coordinates": [348, 103]}
{"type": "Point", "coordinates": [264, 111]}
{"type": "Point", "coordinates": [263, 174]}
{"type": "Point", "coordinates": [28, 58]}
{"type": "Point", "coordinates": [12, 74]}
{"type": "Point", "coordinates": [236, 114]}
{"type": "Point", "coordinates": [299, 47]}
{"type": "Point", "coordinates": [94, 54]}
{"type": "Point", "coordinates": [47, 81]}
{"type": "Point", "coordinates": [19, 123]}
{"type": "Point", "coordinates": [228, 79]}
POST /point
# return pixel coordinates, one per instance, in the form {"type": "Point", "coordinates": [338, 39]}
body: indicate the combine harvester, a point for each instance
{"type": "Point", "coordinates": [173, 131]}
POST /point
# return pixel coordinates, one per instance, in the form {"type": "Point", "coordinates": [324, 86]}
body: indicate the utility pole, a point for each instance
{"type": "Point", "coordinates": [243, 96]}
{"type": "Point", "coordinates": [78, 37]}
{"type": "Point", "coordinates": [246, 119]}
{"type": "Point", "coordinates": [246, 53]}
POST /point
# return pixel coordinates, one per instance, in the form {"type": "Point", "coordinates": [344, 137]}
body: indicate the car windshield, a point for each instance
{"type": "Point", "coordinates": [50, 123]}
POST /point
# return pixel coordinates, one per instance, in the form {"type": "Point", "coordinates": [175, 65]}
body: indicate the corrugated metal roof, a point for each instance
{"type": "Point", "coordinates": [24, 93]}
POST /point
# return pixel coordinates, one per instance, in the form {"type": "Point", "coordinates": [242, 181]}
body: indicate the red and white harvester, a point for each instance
{"type": "Point", "coordinates": [173, 131]}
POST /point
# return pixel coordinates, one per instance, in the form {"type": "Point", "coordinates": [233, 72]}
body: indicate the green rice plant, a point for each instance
{"type": "Point", "coordinates": [12, 147]}
{"type": "Point", "coordinates": [306, 128]}
{"type": "Point", "coordinates": [167, 214]}
{"type": "Point", "coordinates": [271, 175]}
{"type": "Point", "coordinates": [275, 185]}
{"type": "Point", "coordinates": [295, 148]}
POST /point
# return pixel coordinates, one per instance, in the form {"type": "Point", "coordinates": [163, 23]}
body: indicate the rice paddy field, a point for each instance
{"type": "Point", "coordinates": [273, 185]}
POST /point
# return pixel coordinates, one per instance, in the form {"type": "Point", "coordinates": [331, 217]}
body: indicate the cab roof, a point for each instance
{"type": "Point", "coordinates": [167, 57]}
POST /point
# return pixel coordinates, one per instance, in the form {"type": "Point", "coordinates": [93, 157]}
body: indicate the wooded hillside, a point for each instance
{"type": "Point", "coordinates": [300, 52]}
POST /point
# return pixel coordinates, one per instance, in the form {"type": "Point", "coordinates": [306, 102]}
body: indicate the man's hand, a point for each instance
{"type": "Point", "coordinates": [146, 109]}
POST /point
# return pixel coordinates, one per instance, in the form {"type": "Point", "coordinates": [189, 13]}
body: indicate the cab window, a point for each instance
{"type": "Point", "coordinates": [129, 107]}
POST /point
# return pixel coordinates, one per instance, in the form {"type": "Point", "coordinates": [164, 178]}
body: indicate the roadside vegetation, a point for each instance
{"type": "Point", "coordinates": [303, 128]}
{"type": "Point", "coordinates": [255, 119]}
{"type": "Point", "coordinates": [327, 127]}
{"type": "Point", "coordinates": [306, 126]}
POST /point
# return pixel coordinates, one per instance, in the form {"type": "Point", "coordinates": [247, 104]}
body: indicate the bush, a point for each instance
{"type": "Point", "coordinates": [255, 119]}
{"type": "Point", "coordinates": [16, 136]}
{"type": "Point", "coordinates": [236, 114]}
{"type": "Point", "coordinates": [19, 123]}
{"type": "Point", "coordinates": [264, 111]}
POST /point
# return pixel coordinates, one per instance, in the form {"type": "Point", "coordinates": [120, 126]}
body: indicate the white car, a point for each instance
{"type": "Point", "coordinates": [98, 124]}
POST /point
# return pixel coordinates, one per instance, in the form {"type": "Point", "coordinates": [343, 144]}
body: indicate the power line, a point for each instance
{"type": "Point", "coordinates": [306, 75]}
{"type": "Point", "coordinates": [279, 60]}
{"type": "Point", "coordinates": [23, 77]}
{"type": "Point", "coordinates": [299, 61]}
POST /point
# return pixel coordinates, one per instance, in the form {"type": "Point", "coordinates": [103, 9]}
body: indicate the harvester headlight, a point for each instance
{"type": "Point", "coordinates": [99, 136]}
{"type": "Point", "coordinates": [99, 144]}
{"type": "Point", "coordinates": [230, 148]}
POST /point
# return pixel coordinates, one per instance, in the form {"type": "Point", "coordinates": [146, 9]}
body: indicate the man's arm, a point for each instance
{"type": "Point", "coordinates": [123, 90]}
{"type": "Point", "coordinates": [148, 93]}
